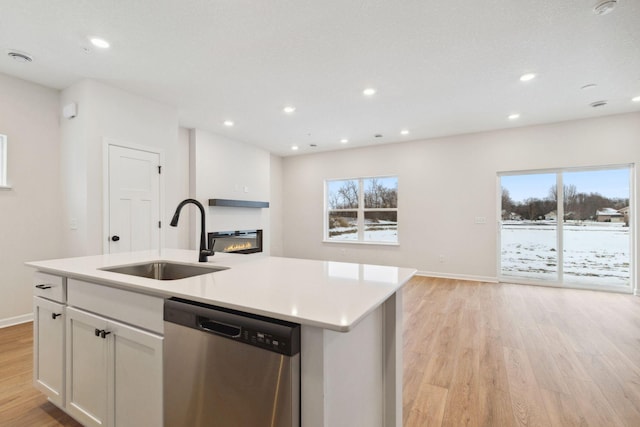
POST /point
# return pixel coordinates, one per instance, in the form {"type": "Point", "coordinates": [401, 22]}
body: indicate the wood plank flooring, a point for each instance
{"type": "Point", "coordinates": [475, 354]}
{"type": "Point", "coordinates": [483, 354]}
{"type": "Point", "coordinates": [21, 405]}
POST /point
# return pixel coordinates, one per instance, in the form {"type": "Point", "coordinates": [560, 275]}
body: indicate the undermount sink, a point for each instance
{"type": "Point", "coordinates": [164, 270]}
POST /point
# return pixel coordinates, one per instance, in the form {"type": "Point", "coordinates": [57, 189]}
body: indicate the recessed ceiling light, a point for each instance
{"type": "Point", "coordinates": [344, 140]}
{"type": "Point", "coordinates": [404, 132]}
{"type": "Point", "coordinates": [228, 123]}
{"type": "Point", "coordinates": [527, 77]}
{"type": "Point", "coordinates": [514, 116]}
{"type": "Point", "coordinates": [604, 7]}
{"type": "Point", "coordinates": [636, 99]}
{"type": "Point", "coordinates": [289, 109]}
{"type": "Point", "coordinates": [369, 91]}
{"type": "Point", "coordinates": [294, 147]}
{"type": "Point", "coordinates": [98, 42]}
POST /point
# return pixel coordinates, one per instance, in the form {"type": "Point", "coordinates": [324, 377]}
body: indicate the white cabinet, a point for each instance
{"type": "Point", "coordinates": [93, 353]}
{"type": "Point", "coordinates": [48, 348]}
{"type": "Point", "coordinates": [114, 372]}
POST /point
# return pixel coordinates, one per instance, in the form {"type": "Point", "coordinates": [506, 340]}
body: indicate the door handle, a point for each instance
{"type": "Point", "coordinates": [54, 315]}
{"type": "Point", "coordinates": [115, 238]}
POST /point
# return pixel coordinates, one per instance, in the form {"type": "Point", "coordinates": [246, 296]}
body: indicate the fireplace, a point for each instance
{"type": "Point", "coordinates": [237, 242]}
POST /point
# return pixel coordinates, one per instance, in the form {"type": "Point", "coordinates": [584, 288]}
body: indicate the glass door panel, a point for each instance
{"type": "Point", "coordinates": [596, 227]}
{"type": "Point", "coordinates": [529, 227]}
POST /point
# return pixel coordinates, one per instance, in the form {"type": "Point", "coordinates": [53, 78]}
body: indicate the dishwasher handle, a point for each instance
{"type": "Point", "coordinates": [224, 329]}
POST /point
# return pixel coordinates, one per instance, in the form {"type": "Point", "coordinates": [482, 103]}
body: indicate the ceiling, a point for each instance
{"type": "Point", "coordinates": [439, 67]}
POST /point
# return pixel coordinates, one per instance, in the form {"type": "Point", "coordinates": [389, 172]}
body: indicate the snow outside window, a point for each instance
{"type": "Point", "coordinates": [362, 210]}
{"type": "Point", "coordinates": [3, 161]}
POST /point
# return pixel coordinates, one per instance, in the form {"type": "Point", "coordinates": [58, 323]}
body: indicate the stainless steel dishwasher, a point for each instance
{"type": "Point", "coordinates": [224, 368]}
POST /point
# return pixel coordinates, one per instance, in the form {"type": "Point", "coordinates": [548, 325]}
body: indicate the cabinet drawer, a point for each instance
{"type": "Point", "coordinates": [136, 309]}
{"type": "Point", "coordinates": [49, 286]}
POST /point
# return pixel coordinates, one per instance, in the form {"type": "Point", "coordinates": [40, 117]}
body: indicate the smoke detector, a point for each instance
{"type": "Point", "coordinates": [604, 7]}
{"type": "Point", "coordinates": [19, 56]}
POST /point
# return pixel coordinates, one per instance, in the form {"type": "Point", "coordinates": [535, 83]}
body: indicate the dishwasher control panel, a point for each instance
{"type": "Point", "coordinates": [270, 334]}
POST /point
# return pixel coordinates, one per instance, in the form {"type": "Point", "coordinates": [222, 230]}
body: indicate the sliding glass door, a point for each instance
{"type": "Point", "coordinates": [569, 227]}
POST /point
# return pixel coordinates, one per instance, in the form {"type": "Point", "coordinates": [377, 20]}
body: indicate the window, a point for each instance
{"type": "Point", "coordinates": [568, 226]}
{"type": "Point", "coordinates": [3, 161]}
{"type": "Point", "coordinates": [362, 210]}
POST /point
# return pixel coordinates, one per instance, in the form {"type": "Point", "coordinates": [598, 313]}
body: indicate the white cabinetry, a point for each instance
{"type": "Point", "coordinates": [98, 351]}
{"type": "Point", "coordinates": [48, 348]}
{"type": "Point", "coordinates": [113, 372]}
{"type": "Point", "coordinates": [48, 335]}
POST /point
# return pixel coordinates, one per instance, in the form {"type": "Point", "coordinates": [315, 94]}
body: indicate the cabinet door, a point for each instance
{"type": "Point", "coordinates": [87, 368]}
{"type": "Point", "coordinates": [138, 376]}
{"type": "Point", "coordinates": [48, 349]}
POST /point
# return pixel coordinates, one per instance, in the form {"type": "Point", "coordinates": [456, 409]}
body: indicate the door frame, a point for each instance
{"type": "Point", "coordinates": [106, 219]}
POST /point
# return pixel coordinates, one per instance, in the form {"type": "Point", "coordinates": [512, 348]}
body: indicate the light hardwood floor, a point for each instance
{"type": "Point", "coordinates": [475, 354]}
{"type": "Point", "coordinates": [482, 354]}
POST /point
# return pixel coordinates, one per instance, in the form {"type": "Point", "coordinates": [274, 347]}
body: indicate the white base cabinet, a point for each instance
{"type": "Point", "coordinates": [48, 348]}
{"type": "Point", "coordinates": [98, 351]}
{"type": "Point", "coordinates": [113, 372]}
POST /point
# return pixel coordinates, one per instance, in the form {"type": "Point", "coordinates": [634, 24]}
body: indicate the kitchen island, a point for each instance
{"type": "Point", "coordinates": [350, 317]}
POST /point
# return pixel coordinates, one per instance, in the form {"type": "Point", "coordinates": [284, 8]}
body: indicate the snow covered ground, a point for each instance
{"type": "Point", "coordinates": [381, 231]}
{"type": "Point", "coordinates": [594, 253]}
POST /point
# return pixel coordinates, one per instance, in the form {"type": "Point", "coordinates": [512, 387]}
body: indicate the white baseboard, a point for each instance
{"type": "Point", "coordinates": [458, 276]}
{"type": "Point", "coordinates": [16, 320]}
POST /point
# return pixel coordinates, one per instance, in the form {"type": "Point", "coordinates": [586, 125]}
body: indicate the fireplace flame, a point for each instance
{"type": "Point", "coordinates": [238, 247]}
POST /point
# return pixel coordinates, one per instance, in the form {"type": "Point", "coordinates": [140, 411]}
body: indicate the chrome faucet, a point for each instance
{"type": "Point", "coordinates": [204, 252]}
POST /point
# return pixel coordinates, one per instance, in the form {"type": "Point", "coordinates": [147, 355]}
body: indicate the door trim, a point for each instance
{"type": "Point", "coordinates": [106, 143]}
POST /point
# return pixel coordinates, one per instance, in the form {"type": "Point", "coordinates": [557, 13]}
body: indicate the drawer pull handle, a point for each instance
{"type": "Point", "coordinates": [54, 315]}
{"type": "Point", "coordinates": [43, 286]}
{"type": "Point", "coordinates": [101, 333]}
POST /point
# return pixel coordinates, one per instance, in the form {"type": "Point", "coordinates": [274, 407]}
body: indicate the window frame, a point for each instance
{"type": "Point", "coordinates": [360, 212]}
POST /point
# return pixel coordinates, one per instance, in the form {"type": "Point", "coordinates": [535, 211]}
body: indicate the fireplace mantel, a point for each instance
{"type": "Point", "coordinates": [238, 203]}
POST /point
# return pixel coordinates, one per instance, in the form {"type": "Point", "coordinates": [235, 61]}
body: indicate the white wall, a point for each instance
{"type": "Point", "coordinates": [275, 207]}
{"type": "Point", "coordinates": [444, 184]}
{"type": "Point", "coordinates": [29, 212]}
{"type": "Point", "coordinates": [222, 168]}
{"type": "Point", "coordinates": [106, 112]}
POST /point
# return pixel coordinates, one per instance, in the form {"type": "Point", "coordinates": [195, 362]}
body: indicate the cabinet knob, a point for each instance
{"type": "Point", "coordinates": [54, 315]}
{"type": "Point", "coordinates": [43, 286]}
{"type": "Point", "coordinates": [115, 238]}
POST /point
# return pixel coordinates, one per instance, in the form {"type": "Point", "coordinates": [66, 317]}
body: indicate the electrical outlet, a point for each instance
{"type": "Point", "coordinates": [246, 189]}
{"type": "Point", "coordinates": [481, 220]}
{"type": "Point", "coordinates": [441, 259]}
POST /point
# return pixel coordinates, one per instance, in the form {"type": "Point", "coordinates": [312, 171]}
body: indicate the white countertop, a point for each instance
{"type": "Point", "coordinates": [327, 294]}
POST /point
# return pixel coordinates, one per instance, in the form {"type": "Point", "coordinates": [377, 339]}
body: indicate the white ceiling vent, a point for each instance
{"type": "Point", "coordinates": [598, 104]}
{"type": "Point", "coordinates": [604, 7]}
{"type": "Point", "coordinates": [19, 56]}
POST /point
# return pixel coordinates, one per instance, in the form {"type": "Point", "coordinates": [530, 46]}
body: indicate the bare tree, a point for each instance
{"type": "Point", "coordinates": [507, 204]}
{"type": "Point", "coordinates": [347, 195]}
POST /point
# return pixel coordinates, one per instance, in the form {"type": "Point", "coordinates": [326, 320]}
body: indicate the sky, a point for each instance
{"type": "Point", "coordinates": [388, 182]}
{"type": "Point", "coordinates": [612, 183]}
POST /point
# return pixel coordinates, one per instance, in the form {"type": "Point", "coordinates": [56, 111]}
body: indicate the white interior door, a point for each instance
{"type": "Point", "coordinates": [134, 199]}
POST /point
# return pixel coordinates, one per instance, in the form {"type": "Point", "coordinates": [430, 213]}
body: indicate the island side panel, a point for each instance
{"type": "Point", "coordinates": [354, 378]}
{"type": "Point", "coordinates": [392, 311]}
